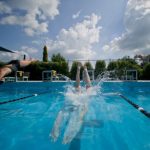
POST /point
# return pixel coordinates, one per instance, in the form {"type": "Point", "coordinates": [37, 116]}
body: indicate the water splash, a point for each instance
{"type": "Point", "coordinates": [106, 76]}
{"type": "Point", "coordinates": [74, 111]}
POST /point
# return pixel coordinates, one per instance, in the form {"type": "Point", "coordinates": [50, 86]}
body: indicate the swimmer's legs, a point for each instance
{"type": "Point", "coordinates": [78, 77]}
{"type": "Point", "coordinates": [87, 78]}
{"type": "Point", "coordinates": [74, 124]}
{"type": "Point", "coordinates": [55, 131]}
{"type": "Point", "coordinates": [61, 118]}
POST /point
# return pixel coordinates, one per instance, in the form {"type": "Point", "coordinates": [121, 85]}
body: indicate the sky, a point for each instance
{"type": "Point", "coordinates": [78, 29]}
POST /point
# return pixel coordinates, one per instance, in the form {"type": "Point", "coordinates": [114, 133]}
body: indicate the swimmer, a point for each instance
{"type": "Point", "coordinates": [75, 115]}
{"type": "Point", "coordinates": [13, 66]}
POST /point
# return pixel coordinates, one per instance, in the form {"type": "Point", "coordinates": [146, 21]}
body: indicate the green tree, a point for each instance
{"type": "Point", "coordinates": [126, 64]}
{"type": "Point", "coordinates": [57, 58]}
{"type": "Point", "coordinates": [37, 68]}
{"type": "Point", "coordinates": [73, 70]}
{"type": "Point", "coordinates": [112, 65]}
{"type": "Point", "coordinates": [61, 68]}
{"type": "Point", "coordinates": [89, 65]}
{"type": "Point", "coordinates": [60, 64]}
{"type": "Point", "coordinates": [146, 72]}
{"type": "Point", "coordinates": [100, 67]}
{"type": "Point", "coordinates": [45, 54]}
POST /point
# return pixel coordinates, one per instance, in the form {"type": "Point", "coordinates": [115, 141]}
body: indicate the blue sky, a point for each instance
{"type": "Point", "coordinates": [78, 29]}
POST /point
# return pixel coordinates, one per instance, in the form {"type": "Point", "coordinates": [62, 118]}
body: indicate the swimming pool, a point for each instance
{"type": "Point", "coordinates": [110, 121]}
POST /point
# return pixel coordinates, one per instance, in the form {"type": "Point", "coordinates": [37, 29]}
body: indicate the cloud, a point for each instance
{"type": "Point", "coordinates": [136, 39]}
{"type": "Point", "coordinates": [4, 9]}
{"type": "Point", "coordinates": [77, 41]}
{"type": "Point", "coordinates": [36, 42]}
{"type": "Point", "coordinates": [5, 57]}
{"type": "Point", "coordinates": [33, 15]}
{"type": "Point", "coordinates": [30, 52]}
{"type": "Point", "coordinates": [75, 16]}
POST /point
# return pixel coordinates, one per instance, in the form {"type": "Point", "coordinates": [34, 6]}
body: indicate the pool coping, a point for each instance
{"type": "Point", "coordinates": [82, 81]}
{"type": "Point", "coordinates": [40, 81]}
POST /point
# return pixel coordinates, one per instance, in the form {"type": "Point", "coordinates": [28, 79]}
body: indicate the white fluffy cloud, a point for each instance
{"type": "Point", "coordinates": [77, 41]}
{"type": "Point", "coordinates": [75, 16]}
{"type": "Point", "coordinates": [136, 39]}
{"type": "Point", "coordinates": [31, 14]}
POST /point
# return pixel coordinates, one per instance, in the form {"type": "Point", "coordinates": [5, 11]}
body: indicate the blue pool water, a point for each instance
{"type": "Point", "coordinates": [110, 123]}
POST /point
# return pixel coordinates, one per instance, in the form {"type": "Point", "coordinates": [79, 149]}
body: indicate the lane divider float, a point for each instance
{"type": "Point", "coordinates": [141, 109]}
{"type": "Point", "coordinates": [22, 98]}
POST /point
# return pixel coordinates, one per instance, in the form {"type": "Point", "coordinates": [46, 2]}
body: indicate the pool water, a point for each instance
{"type": "Point", "coordinates": [110, 123]}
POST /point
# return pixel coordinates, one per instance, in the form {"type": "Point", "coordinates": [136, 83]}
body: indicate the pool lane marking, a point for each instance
{"type": "Point", "coordinates": [22, 98]}
{"type": "Point", "coordinates": [147, 114]}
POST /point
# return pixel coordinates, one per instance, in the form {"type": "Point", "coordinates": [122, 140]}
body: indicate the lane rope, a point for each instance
{"type": "Point", "coordinates": [141, 109]}
{"type": "Point", "coordinates": [22, 98]}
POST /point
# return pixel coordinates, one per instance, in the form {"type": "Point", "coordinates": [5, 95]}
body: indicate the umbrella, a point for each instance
{"type": "Point", "coordinates": [6, 50]}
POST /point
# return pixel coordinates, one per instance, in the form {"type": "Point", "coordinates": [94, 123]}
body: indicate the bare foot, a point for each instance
{"type": "Point", "coordinates": [54, 135]}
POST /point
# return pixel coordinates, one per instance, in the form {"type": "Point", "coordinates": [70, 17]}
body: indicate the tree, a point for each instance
{"type": "Point", "coordinates": [60, 64]}
{"type": "Point", "coordinates": [146, 72]}
{"type": "Point", "coordinates": [100, 67]}
{"type": "Point", "coordinates": [64, 68]}
{"type": "Point", "coordinates": [57, 58]}
{"type": "Point", "coordinates": [124, 64]}
{"type": "Point", "coordinates": [61, 68]}
{"type": "Point", "coordinates": [45, 54]}
{"type": "Point", "coordinates": [89, 65]}
{"type": "Point", "coordinates": [37, 68]}
{"type": "Point", "coordinates": [73, 70]}
{"type": "Point", "coordinates": [112, 65]}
